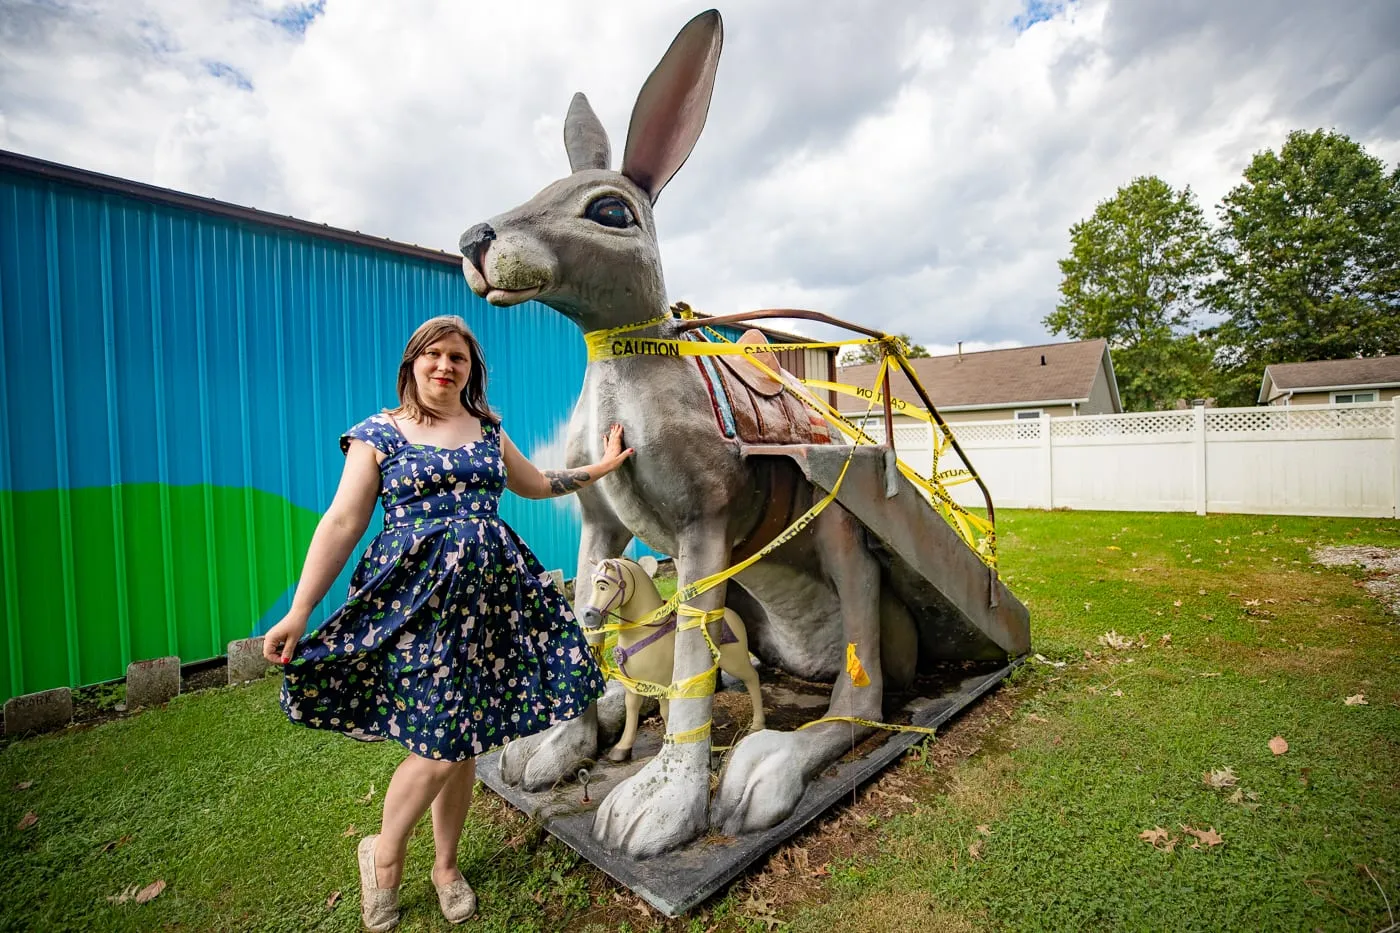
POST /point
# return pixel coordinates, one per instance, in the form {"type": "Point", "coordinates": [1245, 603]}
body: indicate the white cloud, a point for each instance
{"type": "Point", "coordinates": [913, 167]}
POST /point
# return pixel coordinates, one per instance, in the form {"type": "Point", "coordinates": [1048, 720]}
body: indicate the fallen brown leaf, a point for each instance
{"type": "Point", "coordinates": [1154, 836]}
{"type": "Point", "coordinates": [1165, 640]}
{"type": "Point", "coordinates": [1278, 745]}
{"type": "Point", "coordinates": [1244, 798]}
{"type": "Point", "coordinates": [755, 908]}
{"type": "Point", "coordinates": [975, 850]}
{"type": "Point", "coordinates": [1208, 836]}
{"type": "Point", "coordinates": [1111, 639]}
{"type": "Point", "coordinates": [24, 785]}
{"type": "Point", "coordinates": [368, 797]}
{"type": "Point", "coordinates": [1357, 700]}
{"type": "Point", "coordinates": [332, 900]}
{"type": "Point", "coordinates": [349, 831]}
{"type": "Point", "coordinates": [1033, 717]}
{"type": "Point", "coordinates": [26, 821]}
{"type": "Point", "coordinates": [984, 829]}
{"type": "Point", "coordinates": [1220, 778]}
{"type": "Point", "coordinates": [799, 858]}
{"type": "Point", "coordinates": [150, 892]}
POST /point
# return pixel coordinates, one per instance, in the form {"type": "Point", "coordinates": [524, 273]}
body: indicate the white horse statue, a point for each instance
{"type": "Point", "coordinates": [624, 590]}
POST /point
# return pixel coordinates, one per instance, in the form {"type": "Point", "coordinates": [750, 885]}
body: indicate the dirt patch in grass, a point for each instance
{"type": "Point", "coordinates": [1382, 566]}
{"type": "Point", "coordinates": [894, 911]}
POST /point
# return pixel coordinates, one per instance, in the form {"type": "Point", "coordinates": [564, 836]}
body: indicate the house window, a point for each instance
{"type": "Point", "coordinates": [1352, 398]}
{"type": "Point", "coordinates": [1027, 414]}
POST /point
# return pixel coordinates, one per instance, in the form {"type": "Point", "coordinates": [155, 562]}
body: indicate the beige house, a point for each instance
{"type": "Point", "coordinates": [1056, 379]}
{"type": "Point", "coordinates": [1331, 382]}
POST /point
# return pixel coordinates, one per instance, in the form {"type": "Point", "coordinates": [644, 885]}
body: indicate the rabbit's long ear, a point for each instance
{"type": "Point", "coordinates": [671, 108]}
{"type": "Point", "coordinates": [584, 137]}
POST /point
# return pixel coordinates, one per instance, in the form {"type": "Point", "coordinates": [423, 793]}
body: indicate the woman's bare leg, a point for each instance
{"type": "Point", "coordinates": [415, 784]}
{"type": "Point", "coordinates": [450, 808]}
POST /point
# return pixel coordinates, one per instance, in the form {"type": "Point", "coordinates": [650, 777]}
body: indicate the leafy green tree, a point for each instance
{"type": "Point", "coordinates": [1133, 277]}
{"type": "Point", "coordinates": [1310, 263]}
{"type": "Point", "coordinates": [855, 356]}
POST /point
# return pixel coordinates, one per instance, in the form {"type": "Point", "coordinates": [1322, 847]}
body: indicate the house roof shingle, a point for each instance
{"type": "Point", "coordinates": [1327, 374]}
{"type": "Point", "coordinates": [1053, 372]}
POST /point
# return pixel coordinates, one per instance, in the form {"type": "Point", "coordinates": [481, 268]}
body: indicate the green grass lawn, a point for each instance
{"type": "Point", "coordinates": [252, 823]}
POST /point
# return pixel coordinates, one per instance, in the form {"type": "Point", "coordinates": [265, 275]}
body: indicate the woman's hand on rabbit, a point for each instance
{"type": "Point", "coordinates": [614, 455]}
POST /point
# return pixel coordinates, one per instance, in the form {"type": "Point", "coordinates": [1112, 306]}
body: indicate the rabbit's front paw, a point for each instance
{"type": "Point", "coordinates": [661, 807]}
{"type": "Point", "coordinates": [540, 760]}
{"type": "Point", "coordinates": [762, 783]}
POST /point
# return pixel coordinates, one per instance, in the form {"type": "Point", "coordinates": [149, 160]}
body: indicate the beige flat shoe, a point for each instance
{"type": "Point", "coordinates": [457, 900]}
{"type": "Point", "coordinates": [379, 907]}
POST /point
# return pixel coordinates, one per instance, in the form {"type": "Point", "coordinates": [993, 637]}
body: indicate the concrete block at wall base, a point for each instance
{"type": "Point", "coordinates": [39, 712]}
{"type": "Point", "coordinates": [150, 683]}
{"type": "Point", "coordinates": [246, 661]}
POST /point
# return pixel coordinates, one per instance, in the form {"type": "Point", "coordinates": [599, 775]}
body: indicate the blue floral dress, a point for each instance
{"type": "Point", "coordinates": [453, 640]}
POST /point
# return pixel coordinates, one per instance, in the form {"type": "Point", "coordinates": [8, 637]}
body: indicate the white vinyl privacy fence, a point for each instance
{"type": "Point", "coordinates": [1303, 460]}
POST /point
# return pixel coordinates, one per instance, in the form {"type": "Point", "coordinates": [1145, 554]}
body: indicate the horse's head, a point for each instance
{"type": "Point", "coordinates": [612, 587]}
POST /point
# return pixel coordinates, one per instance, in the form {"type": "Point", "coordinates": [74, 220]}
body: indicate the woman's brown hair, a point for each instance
{"type": "Point", "coordinates": [473, 395]}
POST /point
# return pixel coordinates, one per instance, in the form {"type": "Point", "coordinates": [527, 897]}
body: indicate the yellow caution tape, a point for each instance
{"type": "Point", "coordinates": [603, 345]}
{"type": "Point", "coordinates": [854, 667]}
{"type": "Point", "coordinates": [699, 734]}
{"type": "Point", "coordinates": [896, 403]}
{"type": "Point", "coordinates": [888, 726]}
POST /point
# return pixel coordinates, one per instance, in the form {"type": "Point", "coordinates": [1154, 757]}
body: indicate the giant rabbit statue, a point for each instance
{"type": "Point", "coordinates": [586, 246]}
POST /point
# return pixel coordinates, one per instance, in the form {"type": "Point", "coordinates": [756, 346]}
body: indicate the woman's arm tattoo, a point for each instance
{"type": "Point", "coordinates": [563, 482]}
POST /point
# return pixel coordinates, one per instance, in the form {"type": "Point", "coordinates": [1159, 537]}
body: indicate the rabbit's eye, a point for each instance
{"type": "Point", "coordinates": [610, 211]}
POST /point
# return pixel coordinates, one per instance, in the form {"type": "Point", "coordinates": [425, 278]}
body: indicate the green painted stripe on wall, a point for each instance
{"type": "Point", "coordinates": [157, 566]}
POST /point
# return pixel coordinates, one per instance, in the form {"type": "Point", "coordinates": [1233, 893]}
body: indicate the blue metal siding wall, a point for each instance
{"type": "Point", "coordinates": [153, 351]}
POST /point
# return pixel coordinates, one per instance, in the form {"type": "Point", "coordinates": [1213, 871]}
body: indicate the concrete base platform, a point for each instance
{"type": "Point", "coordinates": [678, 881]}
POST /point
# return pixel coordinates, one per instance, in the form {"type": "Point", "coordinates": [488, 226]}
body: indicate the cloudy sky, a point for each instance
{"type": "Point", "coordinates": [913, 166]}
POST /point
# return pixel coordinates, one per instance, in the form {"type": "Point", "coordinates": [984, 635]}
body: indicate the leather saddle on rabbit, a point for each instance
{"type": "Point", "coordinates": [753, 406]}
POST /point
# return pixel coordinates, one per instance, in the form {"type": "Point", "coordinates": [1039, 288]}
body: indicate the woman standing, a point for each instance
{"type": "Point", "coordinates": [453, 639]}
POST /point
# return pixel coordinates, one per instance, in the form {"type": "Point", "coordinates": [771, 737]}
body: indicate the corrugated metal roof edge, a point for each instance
{"type": "Point", "coordinates": [54, 171]}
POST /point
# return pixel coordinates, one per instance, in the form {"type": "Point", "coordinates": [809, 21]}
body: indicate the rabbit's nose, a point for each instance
{"type": "Point", "coordinates": [474, 242]}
